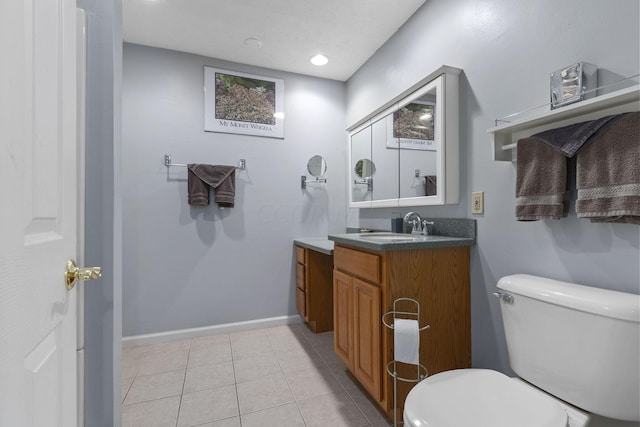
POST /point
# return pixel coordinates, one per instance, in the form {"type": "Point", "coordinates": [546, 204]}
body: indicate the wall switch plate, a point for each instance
{"type": "Point", "coordinates": [477, 202]}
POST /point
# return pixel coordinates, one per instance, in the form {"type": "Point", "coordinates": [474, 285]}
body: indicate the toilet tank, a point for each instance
{"type": "Point", "coordinates": [578, 343]}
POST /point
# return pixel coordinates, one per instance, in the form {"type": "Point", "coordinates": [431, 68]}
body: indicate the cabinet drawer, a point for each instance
{"type": "Point", "coordinates": [359, 263]}
{"type": "Point", "coordinates": [300, 276]}
{"type": "Point", "coordinates": [300, 255]}
{"type": "Point", "coordinates": [301, 302]}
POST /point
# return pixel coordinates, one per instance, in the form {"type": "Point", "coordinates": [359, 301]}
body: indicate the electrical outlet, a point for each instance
{"type": "Point", "coordinates": [477, 202]}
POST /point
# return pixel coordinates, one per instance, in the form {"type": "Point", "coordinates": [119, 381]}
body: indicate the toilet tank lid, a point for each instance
{"type": "Point", "coordinates": [602, 302]}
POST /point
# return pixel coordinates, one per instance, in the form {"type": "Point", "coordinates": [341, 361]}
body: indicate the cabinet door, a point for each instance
{"type": "Point", "coordinates": [366, 336]}
{"type": "Point", "coordinates": [301, 303]}
{"type": "Point", "coordinates": [342, 320]}
{"type": "Point", "coordinates": [300, 278]}
{"type": "Point", "coordinates": [385, 156]}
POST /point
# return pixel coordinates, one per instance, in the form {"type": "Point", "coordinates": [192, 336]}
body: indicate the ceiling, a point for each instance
{"type": "Point", "coordinates": [290, 32]}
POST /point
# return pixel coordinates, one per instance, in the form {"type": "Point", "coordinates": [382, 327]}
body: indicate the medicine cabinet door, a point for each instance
{"type": "Point", "coordinates": [417, 127]}
{"type": "Point", "coordinates": [385, 156]}
{"type": "Point", "coordinates": [362, 169]}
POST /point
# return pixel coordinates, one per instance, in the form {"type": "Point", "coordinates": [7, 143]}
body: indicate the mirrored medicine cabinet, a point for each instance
{"type": "Point", "coordinates": [406, 152]}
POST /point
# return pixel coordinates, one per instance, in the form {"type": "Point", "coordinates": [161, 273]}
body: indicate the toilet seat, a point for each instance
{"type": "Point", "coordinates": [479, 397]}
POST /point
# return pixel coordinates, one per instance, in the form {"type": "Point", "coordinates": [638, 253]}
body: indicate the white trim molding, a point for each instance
{"type": "Point", "coordinates": [227, 328]}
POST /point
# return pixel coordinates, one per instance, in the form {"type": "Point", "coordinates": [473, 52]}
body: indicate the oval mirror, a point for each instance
{"type": "Point", "coordinates": [365, 168]}
{"type": "Point", "coordinates": [317, 166]}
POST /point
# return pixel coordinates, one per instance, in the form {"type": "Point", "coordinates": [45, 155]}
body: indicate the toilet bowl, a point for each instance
{"type": "Point", "coordinates": [575, 349]}
{"type": "Point", "coordinates": [483, 397]}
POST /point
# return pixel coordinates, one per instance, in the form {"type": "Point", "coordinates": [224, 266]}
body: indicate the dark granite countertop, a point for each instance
{"type": "Point", "coordinates": [392, 241]}
{"type": "Point", "coordinates": [319, 244]}
{"type": "Point", "coordinates": [443, 232]}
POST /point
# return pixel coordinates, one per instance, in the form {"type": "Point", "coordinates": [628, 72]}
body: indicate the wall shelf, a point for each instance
{"type": "Point", "coordinates": [505, 136]}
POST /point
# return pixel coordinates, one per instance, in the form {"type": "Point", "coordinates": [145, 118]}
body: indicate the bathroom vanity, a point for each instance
{"type": "Point", "coordinates": [370, 272]}
{"type": "Point", "coordinates": [314, 294]}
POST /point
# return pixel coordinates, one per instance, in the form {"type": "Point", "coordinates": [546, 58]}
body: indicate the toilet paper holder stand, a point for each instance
{"type": "Point", "coordinates": [421, 370]}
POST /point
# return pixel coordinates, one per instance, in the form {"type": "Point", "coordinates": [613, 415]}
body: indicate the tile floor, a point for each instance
{"type": "Point", "coordinates": [285, 376]}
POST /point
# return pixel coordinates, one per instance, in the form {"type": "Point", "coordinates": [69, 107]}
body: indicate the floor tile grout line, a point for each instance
{"type": "Point", "coordinates": [135, 375]}
{"type": "Point", "coordinates": [148, 375]}
{"type": "Point", "coordinates": [184, 380]}
{"type": "Point", "coordinates": [295, 399]}
{"type": "Point", "coordinates": [359, 408]}
{"type": "Point", "coordinates": [127, 392]}
{"type": "Point", "coordinates": [235, 382]}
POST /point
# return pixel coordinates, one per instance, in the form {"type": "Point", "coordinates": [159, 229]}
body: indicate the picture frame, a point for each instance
{"type": "Point", "coordinates": [412, 127]}
{"type": "Point", "coordinates": [241, 103]}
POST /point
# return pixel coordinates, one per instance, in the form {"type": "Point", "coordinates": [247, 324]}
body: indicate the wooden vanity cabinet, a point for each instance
{"type": "Point", "coordinates": [314, 295]}
{"type": "Point", "coordinates": [343, 317]}
{"type": "Point", "coordinates": [356, 314]}
{"type": "Point", "coordinates": [365, 284]}
{"type": "Point", "coordinates": [357, 339]}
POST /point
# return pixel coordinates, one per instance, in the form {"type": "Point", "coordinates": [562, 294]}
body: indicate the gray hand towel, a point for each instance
{"type": "Point", "coordinates": [221, 178]}
{"type": "Point", "coordinates": [608, 173]}
{"type": "Point", "coordinates": [541, 181]}
{"type": "Point", "coordinates": [569, 139]}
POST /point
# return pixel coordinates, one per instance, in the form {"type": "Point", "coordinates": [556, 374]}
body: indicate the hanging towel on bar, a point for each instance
{"type": "Point", "coordinates": [569, 139]}
{"type": "Point", "coordinates": [542, 189]}
{"type": "Point", "coordinates": [201, 177]}
{"type": "Point", "coordinates": [608, 173]}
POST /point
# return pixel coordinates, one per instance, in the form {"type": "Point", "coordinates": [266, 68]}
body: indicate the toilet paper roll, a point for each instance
{"type": "Point", "coordinates": [406, 341]}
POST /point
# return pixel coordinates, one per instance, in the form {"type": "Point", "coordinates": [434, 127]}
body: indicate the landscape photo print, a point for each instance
{"type": "Point", "coordinates": [243, 103]}
{"type": "Point", "coordinates": [413, 127]}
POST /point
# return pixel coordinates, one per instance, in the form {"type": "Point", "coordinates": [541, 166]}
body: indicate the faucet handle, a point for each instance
{"type": "Point", "coordinates": [425, 229]}
{"type": "Point", "coordinates": [416, 227]}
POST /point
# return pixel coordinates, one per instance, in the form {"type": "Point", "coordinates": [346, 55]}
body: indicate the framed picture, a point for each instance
{"type": "Point", "coordinates": [412, 127]}
{"type": "Point", "coordinates": [243, 103]}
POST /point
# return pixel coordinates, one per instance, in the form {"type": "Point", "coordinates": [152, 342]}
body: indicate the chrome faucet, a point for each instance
{"type": "Point", "coordinates": [417, 222]}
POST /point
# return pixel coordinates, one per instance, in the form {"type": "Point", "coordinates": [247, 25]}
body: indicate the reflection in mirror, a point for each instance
{"type": "Point", "coordinates": [360, 151]}
{"type": "Point", "coordinates": [417, 125]}
{"type": "Point", "coordinates": [365, 168]}
{"type": "Point", "coordinates": [385, 154]}
{"type": "Point", "coordinates": [430, 185]}
{"type": "Point", "coordinates": [317, 166]}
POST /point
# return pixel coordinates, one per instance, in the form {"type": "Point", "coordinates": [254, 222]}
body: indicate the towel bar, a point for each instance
{"type": "Point", "coordinates": [242, 163]}
{"type": "Point", "coordinates": [317, 180]}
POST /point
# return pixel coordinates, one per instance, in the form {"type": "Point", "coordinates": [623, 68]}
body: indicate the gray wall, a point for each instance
{"type": "Point", "coordinates": [103, 216]}
{"type": "Point", "coordinates": [192, 267]}
{"type": "Point", "coordinates": [507, 50]}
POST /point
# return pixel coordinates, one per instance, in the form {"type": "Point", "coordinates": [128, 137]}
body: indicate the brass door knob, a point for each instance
{"type": "Point", "coordinates": [74, 273]}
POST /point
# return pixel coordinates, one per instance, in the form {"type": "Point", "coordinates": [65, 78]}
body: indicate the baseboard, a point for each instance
{"type": "Point", "coordinates": [227, 328]}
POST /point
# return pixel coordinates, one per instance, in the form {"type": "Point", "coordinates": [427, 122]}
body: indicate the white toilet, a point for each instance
{"type": "Point", "coordinates": [576, 347]}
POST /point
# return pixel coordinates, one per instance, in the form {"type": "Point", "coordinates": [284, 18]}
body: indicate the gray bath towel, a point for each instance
{"type": "Point", "coordinates": [202, 177]}
{"type": "Point", "coordinates": [569, 139]}
{"type": "Point", "coordinates": [608, 173]}
{"type": "Point", "coordinates": [541, 181]}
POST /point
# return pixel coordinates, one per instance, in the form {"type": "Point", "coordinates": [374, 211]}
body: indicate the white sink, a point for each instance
{"type": "Point", "coordinates": [398, 237]}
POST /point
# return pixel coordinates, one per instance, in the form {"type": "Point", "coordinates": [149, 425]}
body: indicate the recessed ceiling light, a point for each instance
{"type": "Point", "coordinates": [253, 43]}
{"type": "Point", "coordinates": [319, 60]}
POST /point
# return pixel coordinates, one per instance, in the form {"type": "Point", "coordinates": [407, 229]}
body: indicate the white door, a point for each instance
{"type": "Point", "coordinates": [38, 212]}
